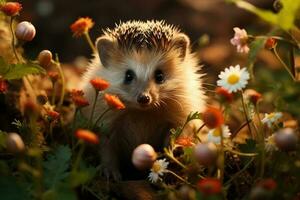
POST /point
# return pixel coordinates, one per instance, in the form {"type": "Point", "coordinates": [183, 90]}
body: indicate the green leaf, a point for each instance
{"type": "Point", "coordinates": [82, 176]}
{"type": "Point", "coordinates": [60, 193]}
{"type": "Point", "coordinates": [56, 167]}
{"type": "Point", "coordinates": [285, 19]}
{"type": "Point", "coordinates": [2, 139]}
{"type": "Point", "coordinates": [18, 71]}
{"type": "Point", "coordinates": [10, 189]}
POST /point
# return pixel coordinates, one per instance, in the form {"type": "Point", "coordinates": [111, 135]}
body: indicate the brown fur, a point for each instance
{"type": "Point", "coordinates": [171, 101]}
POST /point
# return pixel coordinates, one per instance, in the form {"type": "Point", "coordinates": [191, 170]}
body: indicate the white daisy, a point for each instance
{"type": "Point", "coordinates": [270, 143]}
{"type": "Point", "coordinates": [214, 135]}
{"type": "Point", "coordinates": [240, 40]}
{"type": "Point", "coordinates": [159, 167]}
{"type": "Point", "coordinates": [234, 78]}
{"type": "Point", "coordinates": [271, 118]}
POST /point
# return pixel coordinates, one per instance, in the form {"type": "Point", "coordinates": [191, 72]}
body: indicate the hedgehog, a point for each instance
{"type": "Point", "coordinates": [150, 67]}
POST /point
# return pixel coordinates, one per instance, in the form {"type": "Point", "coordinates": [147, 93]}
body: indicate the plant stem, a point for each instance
{"type": "Point", "coordinates": [262, 143]}
{"type": "Point", "coordinates": [63, 82]}
{"type": "Point", "coordinates": [88, 39]}
{"type": "Point", "coordinates": [78, 158]}
{"type": "Point", "coordinates": [177, 176]}
{"type": "Point", "coordinates": [13, 38]}
{"type": "Point", "coordinates": [100, 117]}
{"type": "Point", "coordinates": [283, 63]}
{"type": "Point", "coordinates": [93, 108]}
{"type": "Point", "coordinates": [53, 93]}
{"type": "Point", "coordinates": [170, 155]}
{"type": "Point", "coordinates": [246, 113]}
{"type": "Point", "coordinates": [239, 172]}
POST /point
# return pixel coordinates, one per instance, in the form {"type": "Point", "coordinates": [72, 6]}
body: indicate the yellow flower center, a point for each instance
{"type": "Point", "coordinates": [217, 132]}
{"type": "Point", "coordinates": [233, 79]}
{"type": "Point", "coordinates": [271, 115]}
{"type": "Point", "coordinates": [156, 167]}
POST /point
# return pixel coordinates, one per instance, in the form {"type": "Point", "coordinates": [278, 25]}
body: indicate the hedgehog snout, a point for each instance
{"type": "Point", "coordinates": [144, 99]}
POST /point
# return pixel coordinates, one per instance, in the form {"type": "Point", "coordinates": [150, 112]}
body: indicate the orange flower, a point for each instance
{"type": "Point", "coordinates": [11, 8]}
{"type": "Point", "coordinates": [3, 86]}
{"type": "Point", "coordinates": [270, 43]}
{"type": "Point", "coordinates": [81, 26]}
{"type": "Point", "coordinates": [210, 186]}
{"type": "Point", "coordinates": [114, 101]}
{"type": "Point", "coordinates": [52, 115]}
{"type": "Point", "coordinates": [99, 84]}
{"type": "Point", "coordinates": [253, 96]}
{"type": "Point", "coordinates": [267, 184]}
{"type": "Point", "coordinates": [78, 98]}
{"type": "Point", "coordinates": [87, 136]}
{"type": "Point", "coordinates": [224, 94]}
{"type": "Point", "coordinates": [53, 76]}
{"type": "Point", "coordinates": [184, 141]}
{"type": "Point", "coordinates": [212, 117]}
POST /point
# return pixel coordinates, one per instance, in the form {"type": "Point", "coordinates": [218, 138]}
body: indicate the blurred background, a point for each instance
{"type": "Point", "coordinates": [197, 18]}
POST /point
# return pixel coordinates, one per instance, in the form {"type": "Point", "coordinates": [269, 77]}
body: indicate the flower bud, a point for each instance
{"type": "Point", "coordinates": [14, 143]}
{"type": "Point", "coordinates": [270, 43]}
{"type": "Point", "coordinates": [45, 58]}
{"type": "Point", "coordinates": [286, 139]}
{"type": "Point", "coordinates": [253, 96]}
{"type": "Point", "coordinates": [11, 8]}
{"type": "Point", "coordinates": [25, 31]}
{"type": "Point", "coordinates": [143, 157]}
{"type": "Point", "coordinates": [206, 153]}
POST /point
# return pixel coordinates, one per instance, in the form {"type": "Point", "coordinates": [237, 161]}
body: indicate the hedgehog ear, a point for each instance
{"type": "Point", "coordinates": [104, 45]}
{"type": "Point", "coordinates": [181, 42]}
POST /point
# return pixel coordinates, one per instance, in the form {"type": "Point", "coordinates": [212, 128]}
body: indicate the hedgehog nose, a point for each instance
{"type": "Point", "coordinates": [143, 99]}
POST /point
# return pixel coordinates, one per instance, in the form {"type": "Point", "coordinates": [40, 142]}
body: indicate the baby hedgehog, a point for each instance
{"type": "Point", "coordinates": [150, 67]}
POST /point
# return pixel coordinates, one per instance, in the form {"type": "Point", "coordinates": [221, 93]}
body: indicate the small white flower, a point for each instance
{"type": "Point", "coordinates": [214, 135]}
{"type": "Point", "coordinates": [240, 40]}
{"type": "Point", "coordinates": [270, 145]}
{"type": "Point", "coordinates": [271, 118]}
{"type": "Point", "coordinates": [158, 169]}
{"type": "Point", "coordinates": [234, 78]}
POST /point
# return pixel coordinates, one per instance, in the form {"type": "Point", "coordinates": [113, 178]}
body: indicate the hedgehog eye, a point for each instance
{"type": "Point", "coordinates": [129, 76]}
{"type": "Point", "coordinates": [159, 76]}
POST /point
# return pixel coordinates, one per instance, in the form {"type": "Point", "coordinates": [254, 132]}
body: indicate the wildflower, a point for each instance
{"type": "Point", "coordinates": [53, 76]}
{"type": "Point", "coordinates": [114, 102]}
{"type": "Point", "coordinates": [52, 115]}
{"type": "Point", "coordinates": [267, 184]}
{"type": "Point", "coordinates": [87, 136]}
{"type": "Point", "coordinates": [240, 40]}
{"type": "Point", "coordinates": [271, 118]}
{"type": "Point", "coordinates": [214, 135]}
{"type": "Point", "coordinates": [212, 117]}
{"type": "Point", "coordinates": [184, 141]}
{"type": "Point", "coordinates": [3, 86]}
{"type": "Point", "coordinates": [11, 8]}
{"type": "Point", "coordinates": [158, 169]}
{"type": "Point", "coordinates": [270, 43]}
{"type": "Point", "coordinates": [210, 186]}
{"type": "Point", "coordinates": [270, 144]}
{"type": "Point", "coordinates": [25, 31]}
{"type": "Point", "coordinates": [81, 26]}
{"type": "Point", "coordinates": [143, 156]}
{"type": "Point", "coordinates": [224, 94]}
{"type": "Point", "coordinates": [286, 139]}
{"type": "Point", "coordinates": [99, 84]}
{"type": "Point", "coordinates": [253, 96]}
{"type": "Point", "coordinates": [14, 143]}
{"type": "Point", "coordinates": [44, 58]}
{"type": "Point", "coordinates": [206, 153]}
{"type": "Point", "coordinates": [234, 78]}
